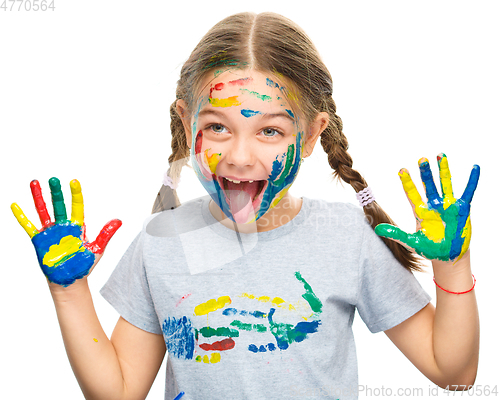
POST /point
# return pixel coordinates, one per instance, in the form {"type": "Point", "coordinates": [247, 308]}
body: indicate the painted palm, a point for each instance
{"type": "Point", "coordinates": [63, 252]}
{"type": "Point", "coordinates": [443, 224]}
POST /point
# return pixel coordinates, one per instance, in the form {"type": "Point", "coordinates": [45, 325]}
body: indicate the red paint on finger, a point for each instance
{"type": "Point", "coordinates": [99, 245]}
{"type": "Point", "coordinates": [41, 207]}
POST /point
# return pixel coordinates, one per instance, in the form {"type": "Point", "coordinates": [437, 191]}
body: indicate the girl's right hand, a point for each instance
{"type": "Point", "coordinates": [63, 252]}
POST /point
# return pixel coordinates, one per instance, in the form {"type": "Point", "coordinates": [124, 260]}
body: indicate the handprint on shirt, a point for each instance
{"type": "Point", "coordinates": [443, 225]}
{"type": "Point", "coordinates": [62, 249]}
{"type": "Point", "coordinates": [205, 344]}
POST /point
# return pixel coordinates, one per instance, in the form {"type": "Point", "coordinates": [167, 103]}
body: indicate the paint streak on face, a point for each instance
{"type": "Point", "coordinates": [253, 109]}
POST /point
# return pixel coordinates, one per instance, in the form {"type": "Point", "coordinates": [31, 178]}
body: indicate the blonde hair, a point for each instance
{"type": "Point", "coordinates": [269, 42]}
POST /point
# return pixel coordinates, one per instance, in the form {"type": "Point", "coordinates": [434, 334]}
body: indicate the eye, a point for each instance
{"type": "Point", "coordinates": [218, 128]}
{"type": "Point", "coordinates": [271, 132]}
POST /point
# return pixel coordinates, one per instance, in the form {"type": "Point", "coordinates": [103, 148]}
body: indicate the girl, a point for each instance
{"type": "Point", "coordinates": [253, 291]}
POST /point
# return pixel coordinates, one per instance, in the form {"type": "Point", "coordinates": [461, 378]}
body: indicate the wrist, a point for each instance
{"type": "Point", "coordinates": [453, 276]}
{"type": "Point", "coordinates": [69, 293]}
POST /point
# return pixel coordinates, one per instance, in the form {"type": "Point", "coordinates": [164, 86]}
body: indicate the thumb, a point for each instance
{"type": "Point", "coordinates": [390, 231]}
{"type": "Point", "coordinates": [99, 244]}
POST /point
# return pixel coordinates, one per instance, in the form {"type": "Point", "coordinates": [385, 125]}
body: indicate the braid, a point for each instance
{"type": "Point", "coordinates": [335, 145]}
{"type": "Point", "coordinates": [167, 197]}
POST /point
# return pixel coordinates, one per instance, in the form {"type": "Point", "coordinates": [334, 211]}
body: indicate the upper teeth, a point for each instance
{"type": "Point", "coordinates": [235, 181]}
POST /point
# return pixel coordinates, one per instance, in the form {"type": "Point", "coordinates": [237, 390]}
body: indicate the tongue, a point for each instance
{"type": "Point", "coordinates": [240, 196]}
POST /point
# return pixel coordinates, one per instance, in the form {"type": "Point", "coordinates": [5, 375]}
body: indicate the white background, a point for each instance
{"type": "Point", "coordinates": [85, 92]}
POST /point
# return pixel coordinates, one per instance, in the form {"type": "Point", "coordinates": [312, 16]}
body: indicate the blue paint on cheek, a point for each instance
{"type": "Point", "coordinates": [249, 113]}
{"type": "Point", "coordinates": [179, 335]}
{"type": "Point", "coordinates": [278, 166]}
{"type": "Point", "coordinates": [75, 267]}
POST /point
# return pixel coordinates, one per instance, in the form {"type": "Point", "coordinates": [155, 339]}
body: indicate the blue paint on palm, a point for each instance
{"type": "Point", "coordinates": [75, 266]}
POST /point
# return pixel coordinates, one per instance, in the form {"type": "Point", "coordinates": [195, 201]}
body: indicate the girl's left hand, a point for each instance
{"type": "Point", "coordinates": [443, 225]}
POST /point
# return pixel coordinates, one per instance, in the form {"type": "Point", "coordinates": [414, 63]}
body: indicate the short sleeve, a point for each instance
{"type": "Point", "coordinates": [127, 290]}
{"type": "Point", "coordinates": [388, 293]}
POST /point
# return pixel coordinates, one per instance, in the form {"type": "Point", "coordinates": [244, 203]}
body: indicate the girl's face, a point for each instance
{"type": "Point", "coordinates": [246, 143]}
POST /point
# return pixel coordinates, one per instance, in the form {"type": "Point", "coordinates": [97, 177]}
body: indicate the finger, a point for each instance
{"type": "Point", "coordinates": [23, 221]}
{"type": "Point", "coordinates": [99, 245]}
{"type": "Point", "coordinates": [57, 200]}
{"type": "Point", "coordinates": [445, 178]}
{"type": "Point", "coordinates": [76, 202]}
{"type": "Point", "coordinates": [411, 191]}
{"type": "Point", "coordinates": [428, 181]}
{"type": "Point", "coordinates": [40, 206]}
{"type": "Point", "coordinates": [471, 185]}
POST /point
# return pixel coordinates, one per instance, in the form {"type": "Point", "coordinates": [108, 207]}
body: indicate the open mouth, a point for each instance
{"type": "Point", "coordinates": [243, 197]}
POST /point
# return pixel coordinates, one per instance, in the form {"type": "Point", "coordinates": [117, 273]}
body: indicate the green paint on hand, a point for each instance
{"type": "Point", "coordinates": [57, 200]}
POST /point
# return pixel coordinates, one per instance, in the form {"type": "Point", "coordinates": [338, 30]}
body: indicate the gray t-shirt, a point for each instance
{"type": "Point", "coordinates": [265, 315]}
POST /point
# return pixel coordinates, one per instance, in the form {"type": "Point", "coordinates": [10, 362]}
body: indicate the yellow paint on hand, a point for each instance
{"type": "Point", "coordinates": [23, 220]}
{"type": "Point", "coordinates": [67, 248]}
{"type": "Point", "coordinates": [430, 220]}
{"type": "Point", "coordinates": [212, 161]}
{"type": "Point", "coordinates": [445, 176]}
{"type": "Point", "coordinates": [95, 340]}
{"type": "Point", "coordinates": [212, 305]}
{"type": "Point", "coordinates": [229, 102]}
{"type": "Point", "coordinates": [76, 202]}
{"type": "Point", "coordinates": [466, 234]}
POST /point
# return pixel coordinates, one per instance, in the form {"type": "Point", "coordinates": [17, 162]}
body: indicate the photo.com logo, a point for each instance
{"type": "Point", "coordinates": [355, 391]}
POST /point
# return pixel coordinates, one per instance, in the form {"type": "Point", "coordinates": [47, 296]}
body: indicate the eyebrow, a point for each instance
{"type": "Point", "coordinates": [219, 114]}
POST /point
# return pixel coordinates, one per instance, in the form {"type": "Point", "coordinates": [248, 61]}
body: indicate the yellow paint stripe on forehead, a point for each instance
{"type": "Point", "coordinates": [229, 102]}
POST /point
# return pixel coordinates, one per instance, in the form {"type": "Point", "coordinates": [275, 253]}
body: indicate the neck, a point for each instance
{"type": "Point", "coordinates": [286, 210]}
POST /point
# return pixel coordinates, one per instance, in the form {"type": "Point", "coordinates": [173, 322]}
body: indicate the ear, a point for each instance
{"type": "Point", "coordinates": [315, 129]}
{"type": "Point", "coordinates": [182, 111]}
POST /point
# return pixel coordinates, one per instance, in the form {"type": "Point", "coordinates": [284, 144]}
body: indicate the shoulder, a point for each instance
{"type": "Point", "coordinates": [171, 223]}
{"type": "Point", "coordinates": [336, 215]}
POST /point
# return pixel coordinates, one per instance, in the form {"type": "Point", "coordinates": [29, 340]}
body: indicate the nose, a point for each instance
{"type": "Point", "coordinates": [240, 152]}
